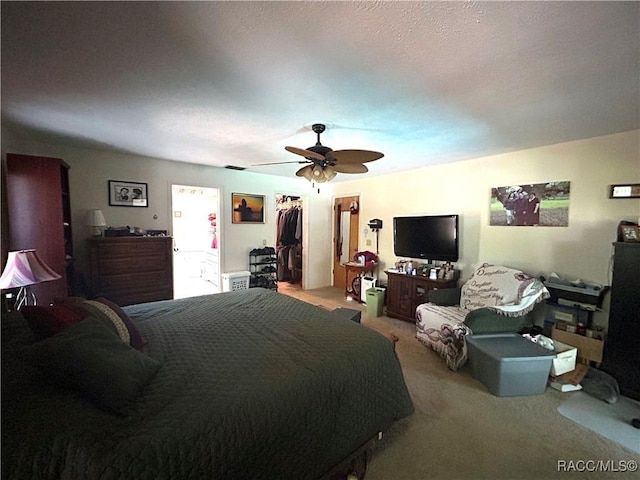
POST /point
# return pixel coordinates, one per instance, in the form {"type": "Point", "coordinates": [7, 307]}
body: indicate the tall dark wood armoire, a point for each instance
{"type": "Point", "coordinates": [622, 347]}
{"type": "Point", "coordinates": [39, 211]}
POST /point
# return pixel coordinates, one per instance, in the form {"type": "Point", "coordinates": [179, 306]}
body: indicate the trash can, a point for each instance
{"type": "Point", "coordinates": [375, 301]}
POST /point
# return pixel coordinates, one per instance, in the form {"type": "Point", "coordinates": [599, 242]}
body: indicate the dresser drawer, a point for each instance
{"type": "Point", "coordinates": [146, 280]}
{"type": "Point", "coordinates": [131, 266]}
{"type": "Point", "coordinates": [123, 248]}
{"type": "Point", "coordinates": [132, 269]}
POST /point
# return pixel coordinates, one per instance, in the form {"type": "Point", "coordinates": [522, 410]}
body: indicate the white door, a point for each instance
{"type": "Point", "coordinates": [195, 230]}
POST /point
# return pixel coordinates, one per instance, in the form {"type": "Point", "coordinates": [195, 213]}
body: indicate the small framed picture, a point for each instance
{"type": "Point", "coordinates": [630, 233]}
{"type": "Point", "coordinates": [247, 208]}
{"type": "Point", "coordinates": [127, 194]}
{"type": "Point", "coordinates": [627, 190]}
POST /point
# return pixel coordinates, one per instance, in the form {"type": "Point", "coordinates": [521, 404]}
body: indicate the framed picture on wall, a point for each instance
{"type": "Point", "coordinates": [630, 233]}
{"type": "Point", "coordinates": [247, 208]}
{"type": "Point", "coordinates": [531, 205]}
{"type": "Point", "coordinates": [127, 194]}
{"type": "Point", "coordinates": [628, 190]}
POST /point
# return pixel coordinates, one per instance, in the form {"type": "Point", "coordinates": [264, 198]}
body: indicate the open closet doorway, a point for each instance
{"type": "Point", "coordinates": [289, 232]}
{"type": "Point", "coordinates": [196, 245]}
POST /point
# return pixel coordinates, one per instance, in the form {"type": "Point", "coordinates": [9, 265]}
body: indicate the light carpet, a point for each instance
{"type": "Point", "coordinates": [609, 420]}
{"type": "Point", "coordinates": [460, 431]}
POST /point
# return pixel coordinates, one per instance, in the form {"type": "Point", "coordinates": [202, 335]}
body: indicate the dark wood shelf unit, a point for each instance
{"type": "Point", "coordinates": [406, 292]}
{"type": "Point", "coordinates": [128, 270]}
{"type": "Point", "coordinates": [37, 220]}
{"type": "Point", "coordinates": [622, 346]}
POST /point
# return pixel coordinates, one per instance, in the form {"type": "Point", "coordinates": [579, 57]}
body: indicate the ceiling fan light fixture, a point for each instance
{"type": "Point", "coordinates": [329, 173]}
{"type": "Point", "coordinates": [307, 172]}
{"type": "Point", "coordinates": [325, 162]}
{"type": "Point", "coordinates": [317, 172]}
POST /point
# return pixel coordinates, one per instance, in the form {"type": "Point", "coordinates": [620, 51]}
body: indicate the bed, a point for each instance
{"type": "Point", "coordinates": [238, 385]}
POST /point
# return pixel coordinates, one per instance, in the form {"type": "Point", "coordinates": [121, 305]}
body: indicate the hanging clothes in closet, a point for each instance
{"type": "Point", "coordinates": [289, 241]}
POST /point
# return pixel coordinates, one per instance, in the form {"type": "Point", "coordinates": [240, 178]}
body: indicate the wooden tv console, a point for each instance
{"type": "Point", "coordinates": [406, 292]}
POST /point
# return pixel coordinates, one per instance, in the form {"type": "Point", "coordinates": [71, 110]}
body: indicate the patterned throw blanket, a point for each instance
{"type": "Point", "coordinates": [507, 291]}
{"type": "Point", "coordinates": [504, 290]}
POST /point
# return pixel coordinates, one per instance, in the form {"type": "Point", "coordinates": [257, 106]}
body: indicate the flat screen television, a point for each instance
{"type": "Point", "coordinates": [430, 237]}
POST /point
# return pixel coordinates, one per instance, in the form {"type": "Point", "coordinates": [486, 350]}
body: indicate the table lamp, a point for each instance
{"type": "Point", "coordinates": [97, 221]}
{"type": "Point", "coordinates": [23, 269]}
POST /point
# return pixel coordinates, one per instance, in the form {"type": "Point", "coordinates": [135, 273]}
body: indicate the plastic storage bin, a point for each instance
{"type": "Point", "coordinates": [508, 364]}
{"type": "Point", "coordinates": [375, 301]}
{"type": "Point", "coordinates": [233, 281]}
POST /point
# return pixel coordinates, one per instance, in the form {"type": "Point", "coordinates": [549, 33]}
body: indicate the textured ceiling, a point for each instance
{"type": "Point", "coordinates": [224, 83]}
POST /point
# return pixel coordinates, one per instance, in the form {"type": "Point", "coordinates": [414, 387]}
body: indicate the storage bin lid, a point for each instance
{"type": "Point", "coordinates": [508, 346]}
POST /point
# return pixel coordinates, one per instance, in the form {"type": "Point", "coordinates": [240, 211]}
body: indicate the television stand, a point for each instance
{"type": "Point", "coordinates": [406, 292]}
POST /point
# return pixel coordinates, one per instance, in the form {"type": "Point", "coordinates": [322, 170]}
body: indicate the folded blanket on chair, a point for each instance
{"type": "Point", "coordinates": [507, 291]}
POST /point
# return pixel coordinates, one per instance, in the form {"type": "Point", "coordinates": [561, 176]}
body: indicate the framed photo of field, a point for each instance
{"type": "Point", "coordinates": [530, 205]}
{"type": "Point", "coordinates": [247, 208]}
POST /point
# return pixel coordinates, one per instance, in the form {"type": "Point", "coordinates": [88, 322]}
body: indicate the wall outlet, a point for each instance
{"type": "Point", "coordinates": [368, 242]}
{"type": "Point", "coordinates": [264, 242]}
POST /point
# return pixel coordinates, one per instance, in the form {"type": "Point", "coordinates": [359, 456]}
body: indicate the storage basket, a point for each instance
{"type": "Point", "coordinates": [233, 281]}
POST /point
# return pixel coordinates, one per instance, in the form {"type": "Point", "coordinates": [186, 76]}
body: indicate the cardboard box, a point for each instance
{"type": "Point", "coordinates": [588, 348]}
{"type": "Point", "coordinates": [565, 360]}
{"type": "Point", "coordinates": [570, 381]}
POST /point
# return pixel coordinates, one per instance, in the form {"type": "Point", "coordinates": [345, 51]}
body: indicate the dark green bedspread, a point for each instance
{"type": "Point", "coordinates": [253, 385]}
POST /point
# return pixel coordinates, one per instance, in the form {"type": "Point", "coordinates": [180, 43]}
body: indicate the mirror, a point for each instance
{"type": "Point", "coordinates": [345, 235]}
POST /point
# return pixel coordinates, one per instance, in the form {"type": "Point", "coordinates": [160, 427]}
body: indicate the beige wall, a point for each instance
{"type": "Point", "coordinates": [91, 169]}
{"type": "Point", "coordinates": [581, 250]}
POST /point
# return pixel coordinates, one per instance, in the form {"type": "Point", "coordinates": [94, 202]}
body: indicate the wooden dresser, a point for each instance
{"type": "Point", "coordinates": [128, 270]}
{"type": "Point", "coordinates": [406, 292]}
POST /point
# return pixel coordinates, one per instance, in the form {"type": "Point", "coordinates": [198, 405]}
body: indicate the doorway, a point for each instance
{"type": "Point", "coordinates": [345, 242]}
{"type": "Point", "coordinates": [289, 241]}
{"type": "Point", "coordinates": [196, 245]}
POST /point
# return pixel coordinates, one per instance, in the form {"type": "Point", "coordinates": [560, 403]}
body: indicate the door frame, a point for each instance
{"type": "Point", "coordinates": [344, 202]}
{"type": "Point", "coordinates": [305, 228]}
{"type": "Point", "coordinates": [219, 222]}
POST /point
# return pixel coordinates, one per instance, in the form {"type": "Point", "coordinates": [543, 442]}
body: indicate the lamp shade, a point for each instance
{"type": "Point", "coordinates": [307, 172]}
{"type": "Point", "coordinates": [329, 173]}
{"type": "Point", "coordinates": [25, 267]}
{"type": "Point", "coordinates": [96, 219]}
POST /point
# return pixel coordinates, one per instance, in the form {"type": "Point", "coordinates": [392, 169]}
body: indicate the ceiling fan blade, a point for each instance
{"type": "Point", "coordinates": [279, 163]}
{"type": "Point", "coordinates": [350, 168]}
{"type": "Point", "coordinates": [304, 153]}
{"type": "Point", "coordinates": [356, 156]}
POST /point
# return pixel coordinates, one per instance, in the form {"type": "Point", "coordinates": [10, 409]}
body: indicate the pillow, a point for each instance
{"type": "Point", "coordinates": [108, 311]}
{"type": "Point", "coordinates": [90, 358]}
{"type": "Point", "coordinates": [102, 312]}
{"type": "Point", "coordinates": [136, 340]}
{"type": "Point", "coordinates": [47, 321]}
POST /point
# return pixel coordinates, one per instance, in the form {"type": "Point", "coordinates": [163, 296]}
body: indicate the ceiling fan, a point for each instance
{"type": "Point", "coordinates": [324, 163]}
